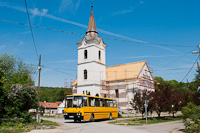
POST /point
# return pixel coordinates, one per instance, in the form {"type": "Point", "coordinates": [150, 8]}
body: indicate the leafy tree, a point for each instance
{"type": "Point", "coordinates": [160, 100]}
{"type": "Point", "coordinates": [176, 101]}
{"type": "Point", "coordinates": [191, 118]}
{"type": "Point", "coordinates": [16, 98]}
{"type": "Point", "coordinates": [3, 93]}
{"type": "Point", "coordinates": [139, 101]}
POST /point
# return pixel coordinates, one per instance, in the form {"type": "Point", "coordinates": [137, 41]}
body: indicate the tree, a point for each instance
{"type": "Point", "coordinates": [176, 101]}
{"type": "Point", "coordinates": [160, 99]}
{"type": "Point", "coordinates": [3, 93]}
{"type": "Point", "coordinates": [139, 101]}
{"type": "Point", "coordinates": [16, 97]}
{"type": "Point", "coordinates": [191, 118]}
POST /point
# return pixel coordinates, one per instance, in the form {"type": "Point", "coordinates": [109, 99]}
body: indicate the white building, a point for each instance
{"type": "Point", "coordinates": [120, 81]}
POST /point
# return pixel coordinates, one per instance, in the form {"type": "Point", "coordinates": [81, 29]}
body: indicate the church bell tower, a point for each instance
{"type": "Point", "coordinates": [91, 61]}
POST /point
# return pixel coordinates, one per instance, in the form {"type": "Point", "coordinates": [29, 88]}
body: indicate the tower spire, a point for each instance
{"type": "Point", "coordinates": [91, 24]}
{"type": "Point", "coordinates": [92, 6]}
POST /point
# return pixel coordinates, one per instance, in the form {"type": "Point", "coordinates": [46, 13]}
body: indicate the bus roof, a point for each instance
{"type": "Point", "coordinates": [91, 96]}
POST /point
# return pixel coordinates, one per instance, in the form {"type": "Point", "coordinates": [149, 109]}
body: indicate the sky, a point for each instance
{"type": "Point", "coordinates": [170, 24]}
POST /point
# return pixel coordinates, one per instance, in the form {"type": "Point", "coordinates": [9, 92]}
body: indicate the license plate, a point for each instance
{"type": "Point", "coordinates": [71, 116]}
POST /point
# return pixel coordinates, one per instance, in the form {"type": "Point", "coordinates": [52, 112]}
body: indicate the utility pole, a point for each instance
{"type": "Point", "coordinates": [145, 104]}
{"type": "Point", "coordinates": [38, 108]}
{"type": "Point", "coordinates": [28, 79]}
{"type": "Point", "coordinates": [196, 52]}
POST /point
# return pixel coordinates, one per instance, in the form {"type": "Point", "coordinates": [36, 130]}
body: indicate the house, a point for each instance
{"type": "Point", "coordinates": [49, 109]}
{"type": "Point", "coordinates": [61, 107]}
{"type": "Point", "coordinates": [119, 81]}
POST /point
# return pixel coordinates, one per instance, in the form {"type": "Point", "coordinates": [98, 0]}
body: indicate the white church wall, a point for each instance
{"type": "Point", "coordinates": [95, 73]}
{"type": "Point", "coordinates": [93, 89]}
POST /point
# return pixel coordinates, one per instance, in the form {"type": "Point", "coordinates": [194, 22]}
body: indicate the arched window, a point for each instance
{"type": "Point", "coordinates": [99, 55]}
{"type": "Point", "coordinates": [85, 54]}
{"type": "Point", "coordinates": [85, 74]}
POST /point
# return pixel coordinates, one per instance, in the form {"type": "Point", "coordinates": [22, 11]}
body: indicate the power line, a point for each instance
{"type": "Point", "coordinates": [190, 69]}
{"type": "Point", "coordinates": [157, 44]}
{"type": "Point", "coordinates": [176, 59]}
{"type": "Point", "coordinates": [138, 42]}
{"type": "Point", "coordinates": [58, 71]}
{"type": "Point", "coordinates": [170, 69]}
{"type": "Point", "coordinates": [31, 30]}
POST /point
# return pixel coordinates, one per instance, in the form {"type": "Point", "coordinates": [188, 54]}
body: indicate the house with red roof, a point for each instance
{"type": "Point", "coordinates": [49, 108]}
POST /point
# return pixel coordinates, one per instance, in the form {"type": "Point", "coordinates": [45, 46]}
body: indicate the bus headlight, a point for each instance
{"type": "Point", "coordinates": [65, 113]}
{"type": "Point", "coordinates": [78, 113]}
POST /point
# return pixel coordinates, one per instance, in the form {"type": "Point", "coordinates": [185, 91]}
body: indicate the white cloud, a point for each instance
{"type": "Point", "coordinates": [141, 2]}
{"type": "Point", "coordinates": [121, 12]}
{"type": "Point", "coordinates": [44, 13]}
{"type": "Point", "coordinates": [69, 5]}
{"type": "Point", "coordinates": [2, 47]}
{"type": "Point", "coordinates": [21, 42]}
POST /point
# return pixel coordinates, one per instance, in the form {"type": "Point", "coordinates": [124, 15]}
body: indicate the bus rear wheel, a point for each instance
{"type": "Point", "coordinates": [110, 117]}
{"type": "Point", "coordinates": [92, 118]}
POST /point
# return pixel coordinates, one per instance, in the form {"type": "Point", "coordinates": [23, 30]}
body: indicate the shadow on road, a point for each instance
{"type": "Point", "coordinates": [102, 120]}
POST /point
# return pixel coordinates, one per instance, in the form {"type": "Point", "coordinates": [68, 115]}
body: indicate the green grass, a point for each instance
{"type": "Point", "coordinates": [15, 127]}
{"type": "Point", "coordinates": [138, 121]}
{"type": "Point", "coordinates": [49, 123]}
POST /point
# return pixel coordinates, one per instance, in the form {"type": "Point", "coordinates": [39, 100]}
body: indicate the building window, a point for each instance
{"type": "Point", "coordinates": [117, 93]}
{"type": "Point", "coordinates": [99, 55]}
{"type": "Point", "coordinates": [85, 54]}
{"type": "Point", "coordinates": [85, 74]}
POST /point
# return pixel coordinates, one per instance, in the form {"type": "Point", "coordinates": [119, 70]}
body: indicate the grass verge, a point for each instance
{"type": "Point", "coordinates": [15, 126]}
{"type": "Point", "coordinates": [139, 121]}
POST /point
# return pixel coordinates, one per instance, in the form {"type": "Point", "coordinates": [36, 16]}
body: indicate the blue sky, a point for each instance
{"type": "Point", "coordinates": [172, 22]}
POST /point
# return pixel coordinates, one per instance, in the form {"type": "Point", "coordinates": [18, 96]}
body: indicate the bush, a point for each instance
{"type": "Point", "coordinates": [191, 118]}
{"type": "Point", "coordinates": [119, 115]}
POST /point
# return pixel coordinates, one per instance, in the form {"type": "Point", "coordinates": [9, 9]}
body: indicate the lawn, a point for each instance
{"type": "Point", "coordinates": [140, 121]}
{"type": "Point", "coordinates": [15, 126]}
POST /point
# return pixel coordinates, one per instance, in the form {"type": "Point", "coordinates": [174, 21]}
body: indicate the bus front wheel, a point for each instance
{"type": "Point", "coordinates": [92, 118]}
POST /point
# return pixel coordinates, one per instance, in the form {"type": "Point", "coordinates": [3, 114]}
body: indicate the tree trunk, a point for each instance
{"type": "Point", "coordinates": [158, 114]}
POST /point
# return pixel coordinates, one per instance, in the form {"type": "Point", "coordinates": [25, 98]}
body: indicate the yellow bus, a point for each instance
{"type": "Point", "coordinates": [86, 107]}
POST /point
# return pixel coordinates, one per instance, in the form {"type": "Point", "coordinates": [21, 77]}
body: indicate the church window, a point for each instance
{"type": "Point", "coordinates": [85, 74]}
{"type": "Point", "coordinates": [99, 55]}
{"type": "Point", "coordinates": [117, 93]}
{"type": "Point", "coordinates": [85, 54]}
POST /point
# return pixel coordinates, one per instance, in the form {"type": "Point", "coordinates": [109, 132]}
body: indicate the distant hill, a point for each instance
{"type": "Point", "coordinates": [53, 94]}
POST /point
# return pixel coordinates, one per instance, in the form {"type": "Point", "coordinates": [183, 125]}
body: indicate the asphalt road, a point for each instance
{"type": "Point", "coordinates": [68, 126]}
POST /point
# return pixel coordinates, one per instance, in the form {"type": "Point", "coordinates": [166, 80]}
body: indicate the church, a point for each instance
{"type": "Point", "coordinates": [93, 77]}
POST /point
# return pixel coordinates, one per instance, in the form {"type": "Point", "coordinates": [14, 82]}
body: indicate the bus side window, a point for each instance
{"type": "Point", "coordinates": [97, 102]}
{"type": "Point", "coordinates": [106, 103]}
{"type": "Point", "coordinates": [91, 101]}
{"type": "Point", "coordinates": [114, 104]}
{"type": "Point", "coordinates": [111, 103]}
{"type": "Point", "coordinates": [85, 101]}
{"type": "Point", "coordinates": [101, 103]}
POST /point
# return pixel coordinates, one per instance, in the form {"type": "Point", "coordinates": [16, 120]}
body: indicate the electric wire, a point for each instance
{"type": "Point", "coordinates": [176, 59]}
{"type": "Point", "coordinates": [137, 42]}
{"type": "Point", "coordinates": [31, 30]}
{"type": "Point", "coordinates": [190, 69]}
{"type": "Point", "coordinates": [59, 71]}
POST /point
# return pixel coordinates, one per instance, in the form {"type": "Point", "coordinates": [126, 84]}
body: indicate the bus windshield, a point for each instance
{"type": "Point", "coordinates": [74, 102]}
